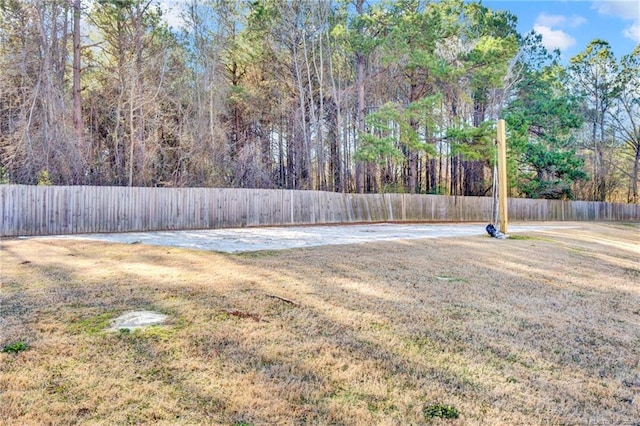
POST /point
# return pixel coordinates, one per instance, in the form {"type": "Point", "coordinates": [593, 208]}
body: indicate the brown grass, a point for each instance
{"type": "Point", "coordinates": [544, 329]}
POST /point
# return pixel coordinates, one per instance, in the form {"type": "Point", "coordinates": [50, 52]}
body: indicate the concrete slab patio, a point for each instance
{"type": "Point", "coordinates": [278, 238]}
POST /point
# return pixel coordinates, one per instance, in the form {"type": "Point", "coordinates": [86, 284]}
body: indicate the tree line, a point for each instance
{"type": "Point", "coordinates": [335, 95]}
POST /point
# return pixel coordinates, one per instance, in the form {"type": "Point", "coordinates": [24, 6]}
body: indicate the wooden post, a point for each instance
{"type": "Point", "coordinates": [502, 177]}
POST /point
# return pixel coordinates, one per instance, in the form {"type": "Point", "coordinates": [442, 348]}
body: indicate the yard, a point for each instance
{"type": "Point", "coordinates": [543, 328]}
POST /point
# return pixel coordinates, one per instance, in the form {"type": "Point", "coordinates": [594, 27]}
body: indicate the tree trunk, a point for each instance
{"type": "Point", "coordinates": [360, 101]}
{"type": "Point", "coordinates": [634, 178]}
{"type": "Point", "coordinates": [77, 97]}
{"type": "Point", "coordinates": [413, 171]}
{"type": "Point", "coordinates": [335, 166]}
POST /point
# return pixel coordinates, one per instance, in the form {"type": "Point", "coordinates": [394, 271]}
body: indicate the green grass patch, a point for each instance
{"type": "Point", "coordinates": [441, 411]}
{"type": "Point", "coordinates": [91, 325]}
{"type": "Point", "coordinates": [257, 254]}
{"type": "Point", "coordinates": [528, 238]}
{"type": "Point", "coordinates": [521, 237]}
{"type": "Point", "coordinates": [158, 333]}
{"type": "Point", "coordinates": [14, 348]}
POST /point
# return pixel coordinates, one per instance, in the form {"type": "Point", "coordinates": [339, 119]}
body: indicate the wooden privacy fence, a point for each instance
{"type": "Point", "coordinates": [49, 210]}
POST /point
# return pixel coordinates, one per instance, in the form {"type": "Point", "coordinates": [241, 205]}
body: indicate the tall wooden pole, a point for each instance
{"type": "Point", "coordinates": [502, 177]}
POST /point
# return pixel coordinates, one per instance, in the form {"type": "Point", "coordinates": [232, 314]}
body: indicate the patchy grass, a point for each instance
{"type": "Point", "coordinates": [91, 324]}
{"type": "Point", "coordinates": [528, 238]}
{"type": "Point", "coordinates": [537, 330]}
{"type": "Point", "coordinates": [257, 253]}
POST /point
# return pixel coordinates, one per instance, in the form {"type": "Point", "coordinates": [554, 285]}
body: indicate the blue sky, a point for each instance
{"type": "Point", "coordinates": [569, 25]}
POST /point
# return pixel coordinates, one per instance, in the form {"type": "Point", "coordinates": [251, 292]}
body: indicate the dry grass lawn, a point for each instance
{"type": "Point", "coordinates": [542, 329]}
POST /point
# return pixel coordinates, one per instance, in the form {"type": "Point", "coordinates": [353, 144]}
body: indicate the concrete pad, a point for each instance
{"type": "Point", "coordinates": [237, 240]}
{"type": "Point", "coordinates": [137, 320]}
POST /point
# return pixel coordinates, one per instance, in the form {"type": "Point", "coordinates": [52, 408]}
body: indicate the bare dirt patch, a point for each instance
{"type": "Point", "coordinates": [544, 328]}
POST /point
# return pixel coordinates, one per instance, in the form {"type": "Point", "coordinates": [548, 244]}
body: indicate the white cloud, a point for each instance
{"type": "Point", "coordinates": [575, 21]}
{"type": "Point", "coordinates": [625, 9]}
{"type": "Point", "coordinates": [633, 32]}
{"type": "Point", "coordinates": [548, 26]}
{"type": "Point", "coordinates": [554, 39]}
{"type": "Point", "coordinates": [559, 20]}
{"type": "Point", "coordinates": [550, 20]}
{"type": "Point", "coordinates": [628, 10]}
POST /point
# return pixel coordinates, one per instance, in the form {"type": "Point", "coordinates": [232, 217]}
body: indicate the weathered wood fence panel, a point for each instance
{"type": "Point", "coordinates": [50, 210]}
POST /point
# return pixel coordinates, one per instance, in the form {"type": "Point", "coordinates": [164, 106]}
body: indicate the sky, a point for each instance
{"type": "Point", "coordinates": [567, 25]}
